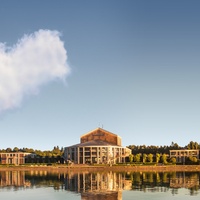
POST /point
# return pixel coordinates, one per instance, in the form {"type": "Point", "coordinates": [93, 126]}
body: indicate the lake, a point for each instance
{"type": "Point", "coordinates": [43, 185]}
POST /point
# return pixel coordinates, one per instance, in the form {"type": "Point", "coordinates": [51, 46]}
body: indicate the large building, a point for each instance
{"type": "Point", "coordinates": [97, 146]}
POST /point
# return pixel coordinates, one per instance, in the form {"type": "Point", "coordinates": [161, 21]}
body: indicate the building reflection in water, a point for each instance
{"type": "Point", "coordinates": [13, 178]}
{"type": "Point", "coordinates": [163, 181]}
{"type": "Point", "coordinates": [184, 180]}
{"type": "Point", "coordinates": [108, 185]}
{"type": "Point", "coordinates": [103, 185]}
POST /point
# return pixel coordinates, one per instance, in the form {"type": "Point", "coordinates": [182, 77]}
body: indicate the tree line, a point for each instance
{"type": "Point", "coordinates": [159, 154]}
{"type": "Point", "coordinates": [56, 151]}
{"type": "Point", "coordinates": [143, 149]}
{"type": "Point", "coordinates": [140, 153]}
{"type": "Point", "coordinates": [152, 149]}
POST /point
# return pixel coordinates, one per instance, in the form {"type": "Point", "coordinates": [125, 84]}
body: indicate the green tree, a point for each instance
{"type": "Point", "coordinates": [193, 159]}
{"type": "Point", "coordinates": [174, 146]}
{"type": "Point", "coordinates": [16, 149]}
{"type": "Point", "coordinates": [164, 158]}
{"type": "Point", "coordinates": [157, 157]}
{"type": "Point", "coordinates": [8, 150]}
{"type": "Point", "coordinates": [144, 157]}
{"type": "Point", "coordinates": [193, 145]}
{"type": "Point", "coordinates": [173, 160]}
{"type": "Point", "coordinates": [150, 158]}
{"type": "Point", "coordinates": [137, 157]}
{"type": "Point", "coordinates": [131, 158]}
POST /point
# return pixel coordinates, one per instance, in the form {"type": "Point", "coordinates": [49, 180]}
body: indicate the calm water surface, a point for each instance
{"type": "Point", "coordinates": [19, 185]}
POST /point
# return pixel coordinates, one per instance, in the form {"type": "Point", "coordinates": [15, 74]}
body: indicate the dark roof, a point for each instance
{"type": "Point", "coordinates": [94, 143]}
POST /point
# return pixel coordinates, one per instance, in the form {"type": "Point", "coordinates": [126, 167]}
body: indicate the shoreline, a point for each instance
{"type": "Point", "coordinates": [88, 168]}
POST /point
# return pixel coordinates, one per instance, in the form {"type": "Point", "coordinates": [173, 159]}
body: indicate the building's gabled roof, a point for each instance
{"type": "Point", "coordinates": [100, 129]}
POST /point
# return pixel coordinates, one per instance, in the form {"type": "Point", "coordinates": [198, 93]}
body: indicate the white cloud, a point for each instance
{"type": "Point", "coordinates": [35, 60]}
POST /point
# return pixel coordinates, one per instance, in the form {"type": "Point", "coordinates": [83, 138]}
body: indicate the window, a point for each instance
{"type": "Point", "coordinates": [87, 149]}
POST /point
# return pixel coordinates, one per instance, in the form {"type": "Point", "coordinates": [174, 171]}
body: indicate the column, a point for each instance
{"type": "Point", "coordinates": [97, 155]}
{"type": "Point", "coordinates": [83, 155]}
{"type": "Point", "coordinates": [91, 155]}
{"type": "Point", "coordinates": [114, 155]}
{"type": "Point", "coordinates": [70, 154]}
{"type": "Point", "coordinates": [107, 150]}
{"type": "Point", "coordinates": [120, 155]}
{"type": "Point", "coordinates": [78, 156]}
{"type": "Point", "coordinates": [101, 161]}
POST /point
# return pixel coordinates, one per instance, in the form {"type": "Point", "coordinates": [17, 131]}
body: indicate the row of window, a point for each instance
{"type": "Point", "coordinates": [11, 155]}
{"type": "Point", "coordinates": [184, 153]}
{"type": "Point", "coordinates": [95, 149]}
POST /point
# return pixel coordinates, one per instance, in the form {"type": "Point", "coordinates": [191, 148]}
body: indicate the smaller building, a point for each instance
{"type": "Point", "coordinates": [15, 158]}
{"type": "Point", "coordinates": [182, 154]}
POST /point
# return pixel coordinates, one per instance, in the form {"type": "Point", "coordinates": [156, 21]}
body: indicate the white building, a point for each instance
{"type": "Point", "coordinates": [97, 146]}
{"type": "Point", "coordinates": [182, 154]}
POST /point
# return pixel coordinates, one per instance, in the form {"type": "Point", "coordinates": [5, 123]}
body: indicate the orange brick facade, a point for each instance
{"type": "Point", "coordinates": [100, 134]}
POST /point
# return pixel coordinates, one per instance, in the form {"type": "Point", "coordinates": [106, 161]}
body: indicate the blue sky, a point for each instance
{"type": "Point", "coordinates": [134, 70]}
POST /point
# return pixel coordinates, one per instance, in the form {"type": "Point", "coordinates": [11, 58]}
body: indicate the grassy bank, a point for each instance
{"type": "Point", "coordinates": [89, 168]}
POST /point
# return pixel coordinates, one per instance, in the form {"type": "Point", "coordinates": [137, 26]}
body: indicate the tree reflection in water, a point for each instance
{"type": "Point", "coordinates": [103, 185]}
